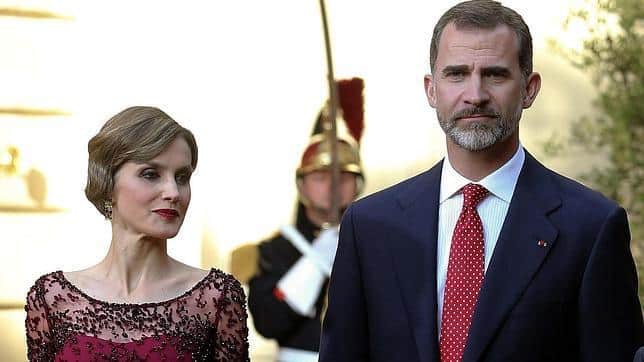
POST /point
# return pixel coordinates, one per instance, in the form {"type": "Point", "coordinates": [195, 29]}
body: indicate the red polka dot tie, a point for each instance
{"type": "Point", "coordinates": [464, 276]}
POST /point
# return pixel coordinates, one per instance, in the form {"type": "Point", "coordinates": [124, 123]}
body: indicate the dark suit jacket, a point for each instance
{"type": "Point", "coordinates": [639, 355]}
{"type": "Point", "coordinates": [572, 298]}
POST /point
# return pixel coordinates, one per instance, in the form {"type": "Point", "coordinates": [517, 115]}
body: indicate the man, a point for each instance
{"type": "Point", "coordinates": [488, 256]}
{"type": "Point", "coordinates": [287, 292]}
{"type": "Point", "coordinates": [288, 274]}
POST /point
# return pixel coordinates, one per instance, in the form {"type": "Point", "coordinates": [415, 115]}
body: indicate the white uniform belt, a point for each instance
{"type": "Point", "coordinates": [296, 355]}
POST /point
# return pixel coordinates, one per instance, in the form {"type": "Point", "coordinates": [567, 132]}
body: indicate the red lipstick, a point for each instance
{"type": "Point", "coordinates": [168, 214]}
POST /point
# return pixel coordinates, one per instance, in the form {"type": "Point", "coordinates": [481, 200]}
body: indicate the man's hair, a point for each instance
{"type": "Point", "coordinates": [136, 134]}
{"type": "Point", "coordinates": [485, 14]}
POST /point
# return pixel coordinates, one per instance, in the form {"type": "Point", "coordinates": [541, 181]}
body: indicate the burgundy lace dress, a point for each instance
{"type": "Point", "coordinates": [207, 323]}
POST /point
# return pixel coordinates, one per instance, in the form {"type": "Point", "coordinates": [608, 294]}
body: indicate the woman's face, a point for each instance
{"type": "Point", "coordinates": [152, 198]}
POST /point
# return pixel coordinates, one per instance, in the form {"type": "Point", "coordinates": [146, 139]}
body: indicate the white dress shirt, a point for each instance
{"type": "Point", "coordinates": [492, 210]}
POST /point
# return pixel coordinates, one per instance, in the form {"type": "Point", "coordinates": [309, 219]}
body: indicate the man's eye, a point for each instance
{"type": "Point", "coordinates": [316, 176]}
{"type": "Point", "coordinates": [454, 76]}
{"type": "Point", "coordinates": [496, 77]}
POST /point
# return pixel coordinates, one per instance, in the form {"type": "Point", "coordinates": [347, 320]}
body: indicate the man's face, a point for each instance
{"type": "Point", "coordinates": [477, 87]}
{"type": "Point", "coordinates": [316, 187]}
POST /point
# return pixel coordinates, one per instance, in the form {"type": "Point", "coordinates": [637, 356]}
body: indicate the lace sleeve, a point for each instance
{"type": "Point", "coordinates": [39, 337]}
{"type": "Point", "coordinates": [232, 331]}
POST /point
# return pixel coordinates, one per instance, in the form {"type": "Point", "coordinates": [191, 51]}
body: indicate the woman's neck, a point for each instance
{"type": "Point", "coordinates": [134, 260]}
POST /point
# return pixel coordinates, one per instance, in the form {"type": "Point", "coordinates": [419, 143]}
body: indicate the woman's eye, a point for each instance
{"type": "Point", "coordinates": [149, 174]}
{"type": "Point", "coordinates": [183, 179]}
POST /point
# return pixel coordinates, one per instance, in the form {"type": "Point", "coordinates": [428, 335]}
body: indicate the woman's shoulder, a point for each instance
{"type": "Point", "coordinates": [47, 282]}
{"type": "Point", "coordinates": [211, 281]}
{"type": "Point", "coordinates": [220, 281]}
{"type": "Point", "coordinates": [221, 288]}
{"type": "Point", "coordinates": [45, 289]}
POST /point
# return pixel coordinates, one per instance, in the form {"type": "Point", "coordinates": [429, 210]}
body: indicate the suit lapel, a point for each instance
{"type": "Point", "coordinates": [413, 250]}
{"type": "Point", "coordinates": [518, 254]}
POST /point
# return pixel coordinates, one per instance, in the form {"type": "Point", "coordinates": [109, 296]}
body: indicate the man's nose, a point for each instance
{"type": "Point", "coordinates": [475, 92]}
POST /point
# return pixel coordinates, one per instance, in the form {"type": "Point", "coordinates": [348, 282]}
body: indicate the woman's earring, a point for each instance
{"type": "Point", "coordinates": [107, 209]}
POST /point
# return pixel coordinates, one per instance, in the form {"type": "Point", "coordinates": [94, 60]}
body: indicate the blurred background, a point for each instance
{"type": "Point", "coordinates": [248, 78]}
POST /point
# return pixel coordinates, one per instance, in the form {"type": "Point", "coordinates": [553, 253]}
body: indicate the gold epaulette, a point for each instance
{"type": "Point", "coordinates": [244, 262]}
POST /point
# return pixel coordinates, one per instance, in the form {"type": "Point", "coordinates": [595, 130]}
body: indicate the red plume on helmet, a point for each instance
{"type": "Point", "coordinates": [317, 155]}
{"type": "Point", "coordinates": [351, 107]}
{"type": "Point", "coordinates": [351, 103]}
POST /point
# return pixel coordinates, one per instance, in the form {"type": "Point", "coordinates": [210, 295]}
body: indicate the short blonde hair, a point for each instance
{"type": "Point", "coordinates": [135, 134]}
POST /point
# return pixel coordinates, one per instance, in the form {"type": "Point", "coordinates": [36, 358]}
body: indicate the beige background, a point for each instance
{"type": "Point", "coordinates": [248, 77]}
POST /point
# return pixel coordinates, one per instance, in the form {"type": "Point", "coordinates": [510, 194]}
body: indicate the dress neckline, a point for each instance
{"type": "Point", "coordinates": [61, 277]}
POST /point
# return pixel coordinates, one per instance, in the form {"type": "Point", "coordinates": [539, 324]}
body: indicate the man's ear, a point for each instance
{"type": "Point", "coordinates": [429, 90]}
{"type": "Point", "coordinates": [532, 86]}
{"type": "Point", "coordinates": [298, 183]}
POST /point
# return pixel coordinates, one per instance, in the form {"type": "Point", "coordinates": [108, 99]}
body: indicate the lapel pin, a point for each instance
{"type": "Point", "coordinates": [542, 243]}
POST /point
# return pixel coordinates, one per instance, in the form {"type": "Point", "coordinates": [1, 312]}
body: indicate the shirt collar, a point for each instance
{"type": "Point", "coordinates": [500, 183]}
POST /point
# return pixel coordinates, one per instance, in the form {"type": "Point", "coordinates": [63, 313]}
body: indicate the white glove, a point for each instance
{"type": "Point", "coordinates": [321, 251]}
{"type": "Point", "coordinates": [325, 247]}
{"type": "Point", "coordinates": [301, 286]}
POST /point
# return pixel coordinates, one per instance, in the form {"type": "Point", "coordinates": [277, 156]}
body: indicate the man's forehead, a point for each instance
{"type": "Point", "coordinates": [466, 35]}
{"type": "Point", "coordinates": [465, 42]}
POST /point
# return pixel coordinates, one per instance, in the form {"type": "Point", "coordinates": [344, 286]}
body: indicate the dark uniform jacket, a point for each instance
{"type": "Point", "coordinates": [273, 318]}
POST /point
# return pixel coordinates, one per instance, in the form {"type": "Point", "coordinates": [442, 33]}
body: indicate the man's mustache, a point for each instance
{"type": "Point", "coordinates": [476, 111]}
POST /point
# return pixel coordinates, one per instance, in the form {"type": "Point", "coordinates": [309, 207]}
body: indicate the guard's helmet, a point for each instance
{"type": "Point", "coordinates": [350, 116]}
{"type": "Point", "coordinates": [317, 156]}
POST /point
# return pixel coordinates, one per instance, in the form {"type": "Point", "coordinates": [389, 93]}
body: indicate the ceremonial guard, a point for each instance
{"type": "Point", "coordinates": [287, 274]}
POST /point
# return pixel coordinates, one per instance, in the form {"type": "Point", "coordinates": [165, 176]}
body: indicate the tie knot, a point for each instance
{"type": "Point", "coordinates": [473, 194]}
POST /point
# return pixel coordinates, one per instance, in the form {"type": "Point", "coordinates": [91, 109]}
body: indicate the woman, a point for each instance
{"type": "Point", "coordinates": [138, 304]}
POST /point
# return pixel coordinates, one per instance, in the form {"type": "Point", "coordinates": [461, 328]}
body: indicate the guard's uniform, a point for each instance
{"type": "Point", "coordinates": [273, 317]}
{"type": "Point", "coordinates": [288, 274]}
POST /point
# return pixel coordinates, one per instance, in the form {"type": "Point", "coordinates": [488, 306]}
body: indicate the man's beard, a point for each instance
{"type": "Point", "coordinates": [477, 136]}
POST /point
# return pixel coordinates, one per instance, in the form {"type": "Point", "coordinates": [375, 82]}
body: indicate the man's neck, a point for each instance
{"type": "Point", "coordinates": [316, 217]}
{"type": "Point", "coordinates": [475, 165]}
